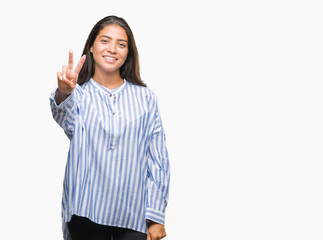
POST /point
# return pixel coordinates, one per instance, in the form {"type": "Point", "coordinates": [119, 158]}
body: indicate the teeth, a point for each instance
{"type": "Point", "coordinates": [110, 58]}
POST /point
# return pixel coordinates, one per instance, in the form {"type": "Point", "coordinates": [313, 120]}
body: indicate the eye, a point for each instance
{"type": "Point", "coordinates": [104, 41]}
{"type": "Point", "coordinates": [122, 45]}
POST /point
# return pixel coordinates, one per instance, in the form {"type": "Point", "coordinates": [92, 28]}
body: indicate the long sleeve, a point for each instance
{"type": "Point", "coordinates": [158, 169]}
{"type": "Point", "coordinates": [64, 113]}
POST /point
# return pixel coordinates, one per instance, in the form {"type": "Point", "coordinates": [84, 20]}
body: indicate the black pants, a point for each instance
{"type": "Point", "coordinates": [82, 228]}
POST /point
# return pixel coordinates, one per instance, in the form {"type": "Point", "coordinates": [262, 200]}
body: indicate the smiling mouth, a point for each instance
{"type": "Point", "coordinates": [110, 58]}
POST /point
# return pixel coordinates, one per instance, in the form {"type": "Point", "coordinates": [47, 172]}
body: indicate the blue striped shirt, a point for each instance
{"type": "Point", "coordinates": [117, 170]}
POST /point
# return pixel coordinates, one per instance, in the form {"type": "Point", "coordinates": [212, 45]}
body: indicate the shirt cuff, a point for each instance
{"type": "Point", "coordinates": [68, 101]}
{"type": "Point", "coordinates": [155, 216]}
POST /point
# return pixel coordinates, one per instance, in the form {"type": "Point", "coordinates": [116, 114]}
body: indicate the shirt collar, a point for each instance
{"type": "Point", "coordinates": [108, 91]}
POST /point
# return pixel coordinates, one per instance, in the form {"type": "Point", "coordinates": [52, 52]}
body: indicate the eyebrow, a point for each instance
{"type": "Point", "coordinates": [119, 40]}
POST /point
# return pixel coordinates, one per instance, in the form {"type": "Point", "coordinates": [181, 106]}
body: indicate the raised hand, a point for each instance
{"type": "Point", "coordinates": [67, 79]}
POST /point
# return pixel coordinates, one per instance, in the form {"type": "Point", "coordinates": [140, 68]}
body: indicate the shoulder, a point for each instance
{"type": "Point", "coordinates": [80, 92]}
{"type": "Point", "coordinates": [143, 92]}
{"type": "Point", "coordinates": [84, 88]}
{"type": "Point", "coordinates": [81, 88]}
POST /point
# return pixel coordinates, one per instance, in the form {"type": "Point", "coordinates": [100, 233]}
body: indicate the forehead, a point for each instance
{"type": "Point", "coordinates": [113, 31]}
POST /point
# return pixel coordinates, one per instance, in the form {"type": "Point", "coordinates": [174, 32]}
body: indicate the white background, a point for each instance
{"type": "Point", "coordinates": [240, 93]}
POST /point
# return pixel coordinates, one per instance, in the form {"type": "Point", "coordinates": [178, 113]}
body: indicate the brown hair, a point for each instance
{"type": "Point", "coordinates": [129, 70]}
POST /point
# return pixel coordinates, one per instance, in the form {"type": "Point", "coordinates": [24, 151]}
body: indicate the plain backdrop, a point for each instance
{"type": "Point", "coordinates": [239, 86]}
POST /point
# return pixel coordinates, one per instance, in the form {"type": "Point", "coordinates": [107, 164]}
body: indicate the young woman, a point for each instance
{"type": "Point", "coordinates": [117, 173]}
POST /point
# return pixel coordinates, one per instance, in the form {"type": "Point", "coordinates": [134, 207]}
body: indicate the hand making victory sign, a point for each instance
{"type": "Point", "coordinates": [67, 79]}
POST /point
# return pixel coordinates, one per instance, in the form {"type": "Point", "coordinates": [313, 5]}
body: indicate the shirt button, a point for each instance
{"type": "Point", "coordinates": [113, 137]}
{"type": "Point", "coordinates": [110, 95]}
{"type": "Point", "coordinates": [114, 113]}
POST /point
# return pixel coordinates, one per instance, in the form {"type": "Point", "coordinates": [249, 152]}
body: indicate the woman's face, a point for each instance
{"type": "Point", "coordinates": [110, 49]}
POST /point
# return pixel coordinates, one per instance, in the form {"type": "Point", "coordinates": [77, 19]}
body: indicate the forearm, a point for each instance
{"type": "Point", "coordinates": [63, 107]}
{"type": "Point", "coordinates": [60, 97]}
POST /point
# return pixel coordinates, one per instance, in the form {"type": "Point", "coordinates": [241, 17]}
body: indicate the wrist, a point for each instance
{"type": "Point", "coordinates": [61, 96]}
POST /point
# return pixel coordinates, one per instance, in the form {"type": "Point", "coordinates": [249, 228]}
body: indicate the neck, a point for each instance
{"type": "Point", "coordinates": [109, 80]}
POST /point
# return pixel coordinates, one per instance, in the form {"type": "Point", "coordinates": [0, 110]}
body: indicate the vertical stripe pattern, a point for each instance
{"type": "Point", "coordinates": [117, 170]}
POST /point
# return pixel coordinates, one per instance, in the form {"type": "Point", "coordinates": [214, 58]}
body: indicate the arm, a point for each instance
{"type": "Point", "coordinates": [158, 176]}
{"type": "Point", "coordinates": [64, 113]}
{"type": "Point", "coordinates": [63, 99]}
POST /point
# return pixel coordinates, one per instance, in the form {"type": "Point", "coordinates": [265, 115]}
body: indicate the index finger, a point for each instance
{"type": "Point", "coordinates": [80, 64]}
{"type": "Point", "coordinates": [70, 60]}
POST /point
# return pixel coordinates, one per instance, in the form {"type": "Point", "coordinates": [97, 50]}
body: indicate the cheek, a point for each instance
{"type": "Point", "coordinates": [95, 55]}
{"type": "Point", "coordinates": [125, 54]}
{"type": "Point", "coordinates": [97, 47]}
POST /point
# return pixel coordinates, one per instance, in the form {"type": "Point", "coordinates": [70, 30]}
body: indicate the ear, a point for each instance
{"type": "Point", "coordinates": [91, 49]}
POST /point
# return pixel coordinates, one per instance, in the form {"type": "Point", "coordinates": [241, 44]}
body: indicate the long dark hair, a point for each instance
{"type": "Point", "coordinates": [129, 70]}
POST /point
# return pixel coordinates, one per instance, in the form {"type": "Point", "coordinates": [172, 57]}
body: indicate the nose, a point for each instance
{"type": "Point", "coordinates": [111, 47]}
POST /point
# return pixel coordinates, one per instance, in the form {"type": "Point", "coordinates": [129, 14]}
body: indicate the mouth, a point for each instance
{"type": "Point", "coordinates": [110, 58]}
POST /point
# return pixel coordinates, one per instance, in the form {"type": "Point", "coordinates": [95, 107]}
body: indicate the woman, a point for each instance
{"type": "Point", "coordinates": [117, 173]}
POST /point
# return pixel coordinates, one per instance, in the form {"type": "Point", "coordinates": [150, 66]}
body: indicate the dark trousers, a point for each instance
{"type": "Point", "coordinates": [82, 228]}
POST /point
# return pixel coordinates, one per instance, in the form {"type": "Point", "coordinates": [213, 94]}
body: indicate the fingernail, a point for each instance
{"type": "Point", "coordinates": [64, 76]}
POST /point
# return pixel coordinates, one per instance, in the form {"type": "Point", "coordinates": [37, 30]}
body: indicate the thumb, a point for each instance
{"type": "Point", "coordinates": [148, 236]}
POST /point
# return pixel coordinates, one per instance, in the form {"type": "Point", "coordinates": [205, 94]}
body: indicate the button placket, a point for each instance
{"type": "Point", "coordinates": [113, 131]}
